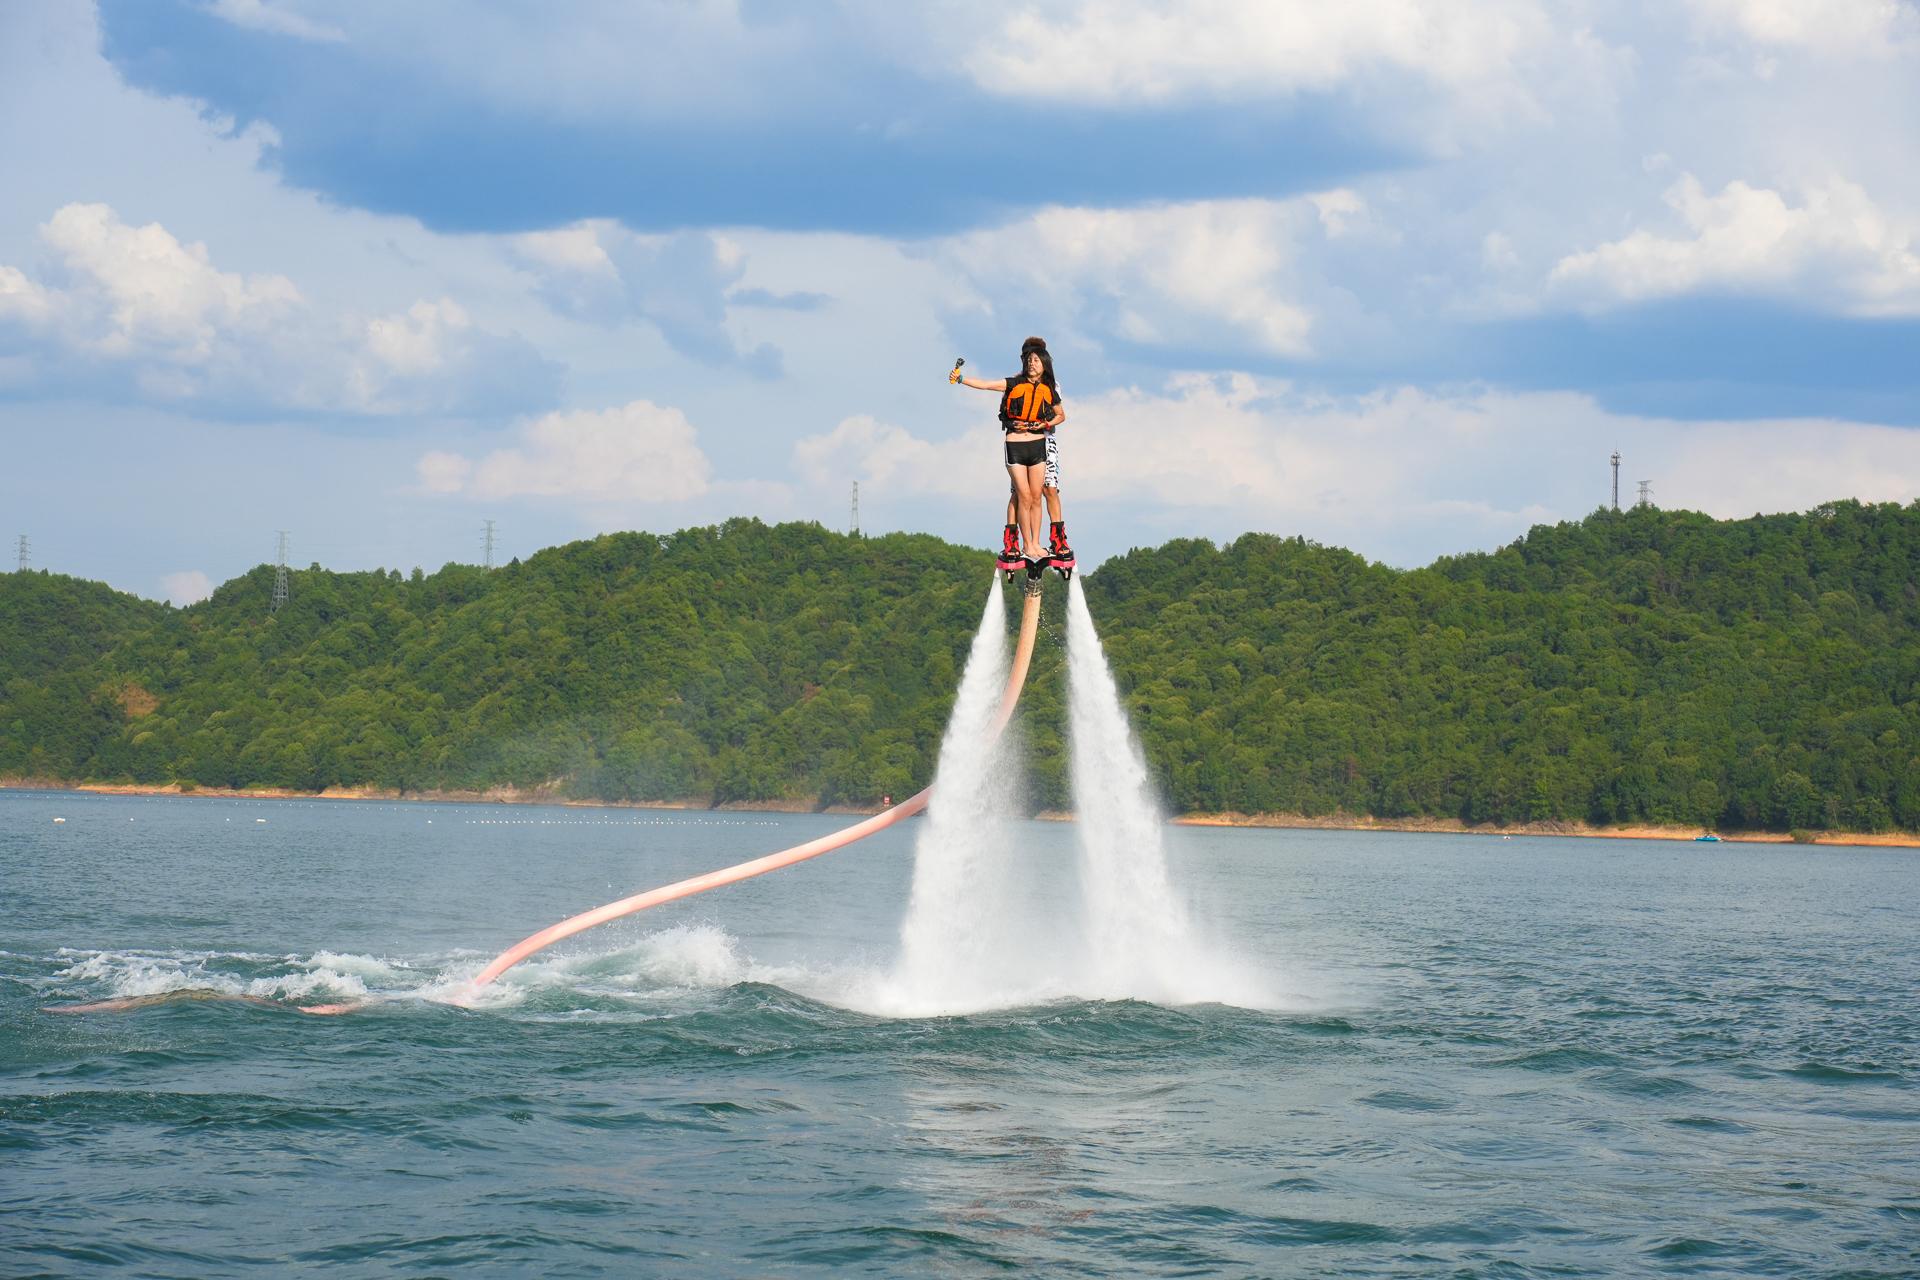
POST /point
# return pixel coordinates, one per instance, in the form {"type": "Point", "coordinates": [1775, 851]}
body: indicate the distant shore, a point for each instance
{"type": "Point", "coordinates": [1335, 822]}
{"type": "Point", "coordinates": [489, 795]}
{"type": "Point", "coordinates": [1453, 826]}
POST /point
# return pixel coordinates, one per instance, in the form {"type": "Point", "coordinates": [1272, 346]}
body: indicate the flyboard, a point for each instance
{"type": "Point", "coordinates": [1009, 697]}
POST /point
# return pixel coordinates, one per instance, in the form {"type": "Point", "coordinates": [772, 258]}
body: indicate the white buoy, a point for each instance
{"type": "Point", "coordinates": [59, 819]}
{"type": "Point", "coordinates": [262, 821]}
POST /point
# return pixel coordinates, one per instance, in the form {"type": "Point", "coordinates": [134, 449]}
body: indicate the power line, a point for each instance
{"type": "Point", "coordinates": [488, 561]}
{"type": "Point", "coordinates": [853, 525]}
{"type": "Point", "coordinates": [1646, 493]}
{"type": "Point", "coordinates": [1616, 479]}
{"type": "Point", "coordinates": [280, 574]}
{"type": "Point", "coordinates": [26, 547]}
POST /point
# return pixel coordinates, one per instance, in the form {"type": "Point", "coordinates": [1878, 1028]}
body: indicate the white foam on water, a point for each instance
{"type": "Point", "coordinates": [376, 968]}
{"type": "Point", "coordinates": [132, 974]}
{"type": "Point", "coordinates": [318, 982]}
{"type": "Point", "coordinates": [146, 973]}
{"type": "Point", "coordinates": [1141, 941]}
{"type": "Point", "coordinates": [688, 957]}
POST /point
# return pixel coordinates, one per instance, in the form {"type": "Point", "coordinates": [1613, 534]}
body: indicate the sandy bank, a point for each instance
{"type": "Point", "coordinates": [1453, 826]}
{"type": "Point", "coordinates": [1334, 822]}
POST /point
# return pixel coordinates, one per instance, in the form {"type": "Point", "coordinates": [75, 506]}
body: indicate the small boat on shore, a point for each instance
{"type": "Point", "coordinates": [1708, 838]}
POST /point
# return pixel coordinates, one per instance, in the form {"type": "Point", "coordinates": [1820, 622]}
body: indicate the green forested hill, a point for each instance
{"type": "Point", "coordinates": [1635, 666]}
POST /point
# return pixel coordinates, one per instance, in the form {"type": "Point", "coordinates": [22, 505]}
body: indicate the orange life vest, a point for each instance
{"type": "Point", "coordinates": [1026, 406]}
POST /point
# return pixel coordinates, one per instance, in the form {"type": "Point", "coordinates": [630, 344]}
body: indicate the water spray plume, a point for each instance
{"type": "Point", "coordinates": [1141, 941]}
{"type": "Point", "coordinates": [958, 934]}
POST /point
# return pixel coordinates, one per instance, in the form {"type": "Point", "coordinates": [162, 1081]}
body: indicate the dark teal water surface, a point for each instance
{"type": "Point", "coordinates": [1491, 1058]}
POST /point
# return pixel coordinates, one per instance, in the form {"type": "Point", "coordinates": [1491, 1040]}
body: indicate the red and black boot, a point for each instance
{"type": "Point", "coordinates": [1010, 561]}
{"type": "Point", "coordinates": [1059, 554]}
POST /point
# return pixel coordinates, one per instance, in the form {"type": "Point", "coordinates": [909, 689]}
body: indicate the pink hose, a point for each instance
{"type": "Point", "coordinates": [1016, 677]}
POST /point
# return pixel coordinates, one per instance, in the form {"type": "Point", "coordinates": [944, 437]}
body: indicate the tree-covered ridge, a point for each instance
{"type": "Point", "coordinates": [740, 662]}
{"type": "Point", "coordinates": [1634, 666]}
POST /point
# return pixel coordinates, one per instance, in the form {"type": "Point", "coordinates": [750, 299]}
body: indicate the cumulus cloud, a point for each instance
{"type": "Point", "coordinates": [1137, 50]}
{"type": "Point", "coordinates": [601, 272]}
{"type": "Point", "coordinates": [1834, 243]}
{"type": "Point", "coordinates": [1875, 28]}
{"type": "Point", "coordinates": [893, 458]}
{"type": "Point", "coordinates": [637, 452]}
{"type": "Point", "coordinates": [1444, 75]}
{"type": "Point", "coordinates": [134, 306]}
{"type": "Point", "coordinates": [139, 291]}
{"type": "Point", "coordinates": [1226, 273]}
{"type": "Point", "coordinates": [189, 586]}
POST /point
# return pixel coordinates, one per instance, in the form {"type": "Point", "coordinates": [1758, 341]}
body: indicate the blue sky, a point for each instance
{"type": "Point", "coordinates": [1396, 275]}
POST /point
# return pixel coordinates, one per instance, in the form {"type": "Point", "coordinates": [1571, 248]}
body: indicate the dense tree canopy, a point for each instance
{"type": "Point", "coordinates": [1635, 666]}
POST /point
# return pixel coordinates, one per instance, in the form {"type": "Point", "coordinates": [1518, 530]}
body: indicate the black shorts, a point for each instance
{"type": "Point", "coordinates": [1026, 453]}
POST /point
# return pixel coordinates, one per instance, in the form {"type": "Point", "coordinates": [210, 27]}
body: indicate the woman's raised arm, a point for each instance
{"type": "Point", "coordinates": [979, 384]}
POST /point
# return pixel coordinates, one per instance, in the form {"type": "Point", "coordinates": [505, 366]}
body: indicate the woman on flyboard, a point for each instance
{"type": "Point", "coordinates": [1030, 413]}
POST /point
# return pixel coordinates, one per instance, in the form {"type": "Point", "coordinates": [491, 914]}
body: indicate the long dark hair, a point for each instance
{"type": "Point", "coordinates": [1038, 346]}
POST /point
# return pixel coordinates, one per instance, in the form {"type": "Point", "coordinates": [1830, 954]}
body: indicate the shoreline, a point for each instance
{"type": "Point", "coordinates": [1633, 831]}
{"type": "Point", "coordinates": [490, 795]}
{"type": "Point", "coordinates": [1276, 821]}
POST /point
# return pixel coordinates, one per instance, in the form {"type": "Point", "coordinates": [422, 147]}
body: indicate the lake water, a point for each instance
{"type": "Point", "coordinates": [1475, 1057]}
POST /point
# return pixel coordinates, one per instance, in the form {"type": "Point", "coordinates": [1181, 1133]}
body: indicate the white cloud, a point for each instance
{"type": "Point", "coordinates": [1835, 244]}
{"type": "Point", "coordinates": [892, 457]}
{"type": "Point", "coordinates": [443, 472]}
{"type": "Point", "coordinates": [135, 302]}
{"type": "Point", "coordinates": [139, 291]}
{"type": "Point", "coordinates": [26, 301]}
{"type": "Point", "coordinates": [600, 272]}
{"type": "Point", "coordinates": [415, 342]}
{"type": "Point", "coordinates": [637, 452]}
{"type": "Point", "coordinates": [278, 19]}
{"type": "Point", "coordinates": [186, 587]}
{"type": "Point", "coordinates": [575, 249]}
{"type": "Point", "coordinates": [1213, 273]}
{"type": "Point", "coordinates": [1126, 51]}
{"type": "Point", "coordinates": [1339, 210]}
{"type": "Point", "coordinates": [1873, 28]}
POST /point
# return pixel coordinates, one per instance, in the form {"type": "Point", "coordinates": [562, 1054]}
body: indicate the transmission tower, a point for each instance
{"type": "Point", "coordinates": [25, 547]}
{"type": "Point", "coordinates": [1616, 479]}
{"type": "Point", "coordinates": [853, 526]}
{"type": "Point", "coordinates": [280, 574]}
{"type": "Point", "coordinates": [1646, 493]}
{"type": "Point", "coordinates": [488, 562]}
